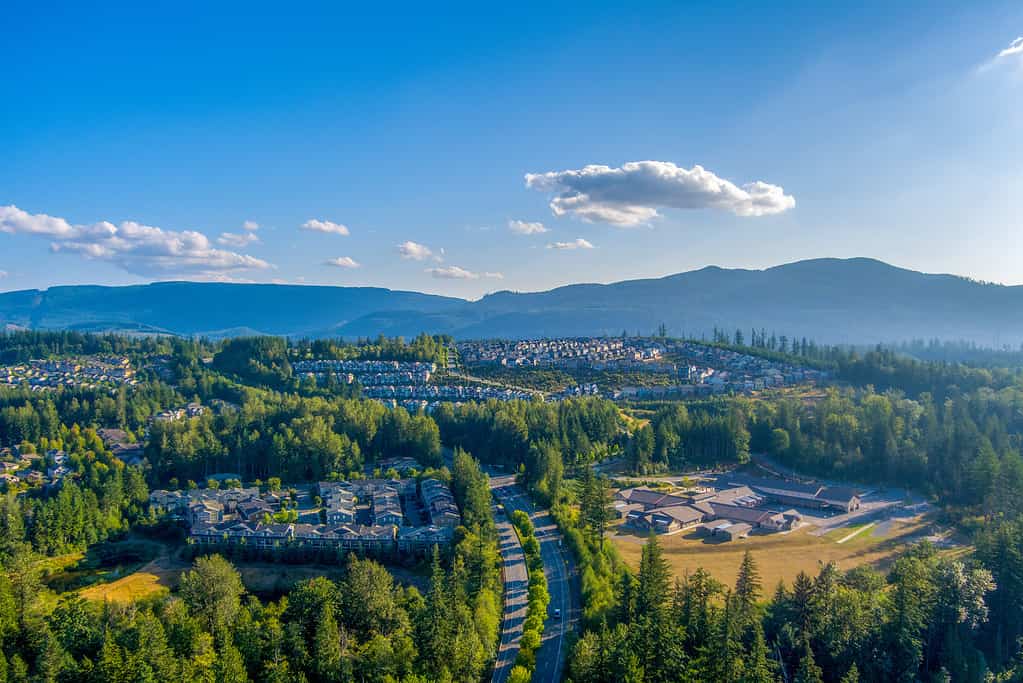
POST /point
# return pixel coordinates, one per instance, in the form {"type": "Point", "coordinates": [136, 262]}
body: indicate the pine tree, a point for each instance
{"type": "Point", "coordinates": [757, 667]}
{"type": "Point", "coordinates": [808, 671]}
{"type": "Point", "coordinates": [747, 589]}
{"type": "Point", "coordinates": [230, 667]}
{"type": "Point", "coordinates": [435, 625]}
{"type": "Point", "coordinates": [852, 675]}
{"type": "Point", "coordinates": [327, 648]}
{"type": "Point", "coordinates": [654, 572]}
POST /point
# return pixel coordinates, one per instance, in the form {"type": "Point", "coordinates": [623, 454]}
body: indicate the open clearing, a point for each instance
{"type": "Point", "coordinates": [156, 576]}
{"type": "Point", "coordinates": [779, 556]}
{"type": "Point", "coordinates": [164, 573]}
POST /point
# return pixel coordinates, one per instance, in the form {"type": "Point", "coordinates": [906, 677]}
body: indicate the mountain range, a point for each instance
{"type": "Point", "coordinates": [855, 300]}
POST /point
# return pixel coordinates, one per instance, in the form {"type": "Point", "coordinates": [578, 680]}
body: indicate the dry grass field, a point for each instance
{"type": "Point", "coordinates": [163, 574]}
{"type": "Point", "coordinates": [780, 556]}
{"type": "Point", "coordinates": [157, 576]}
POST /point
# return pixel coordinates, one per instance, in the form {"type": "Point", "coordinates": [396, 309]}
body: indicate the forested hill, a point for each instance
{"type": "Point", "coordinates": [215, 309]}
{"type": "Point", "coordinates": [829, 300]}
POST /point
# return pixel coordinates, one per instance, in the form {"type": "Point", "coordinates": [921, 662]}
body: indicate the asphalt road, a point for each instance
{"type": "Point", "coordinates": [562, 584]}
{"type": "Point", "coordinates": [516, 584]}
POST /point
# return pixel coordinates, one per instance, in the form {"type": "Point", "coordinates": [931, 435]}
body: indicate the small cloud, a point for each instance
{"type": "Point", "coordinates": [251, 226]}
{"type": "Point", "coordinates": [342, 262]}
{"type": "Point", "coordinates": [3, 274]}
{"type": "Point", "coordinates": [1013, 53]}
{"type": "Point", "coordinates": [524, 228]}
{"type": "Point", "coordinates": [237, 239]}
{"type": "Point", "coordinates": [414, 251]}
{"type": "Point", "coordinates": [456, 273]}
{"type": "Point", "coordinates": [1015, 49]}
{"type": "Point", "coordinates": [325, 226]}
{"type": "Point", "coordinates": [578, 243]}
{"type": "Point", "coordinates": [631, 194]}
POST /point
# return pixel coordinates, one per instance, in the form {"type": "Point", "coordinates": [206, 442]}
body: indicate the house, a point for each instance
{"type": "Point", "coordinates": [273, 535]}
{"type": "Point", "coordinates": [340, 515]}
{"type": "Point", "coordinates": [387, 508]}
{"type": "Point", "coordinates": [172, 502]}
{"type": "Point", "coordinates": [841, 497]}
{"type": "Point", "coordinates": [254, 509]}
{"type": "Point", "coordinates": [734, 532]}
{"type": "Point", "coordinates": [112, 436]}
{"type": "Point", "coordinates": [813, 496]}
{"type": "Point", "coordinates": [783, 521]}
{"type": "Point", "coordinates": [439, 503]}
{"type": "Point", "coordinates": [725, 530]}
{"type": "Point", "coordinates": [205, 511]}
{"type": "Point", "coordinates": [674, 519]}
{"type": "Point", "coordinates": [649, 498]}
{"type": "Point", "coordinates": [742, 496]}
{"type": "Point", "coordinates": [57, 472]}
{"type": "Point", "coordinates": [416, 540]}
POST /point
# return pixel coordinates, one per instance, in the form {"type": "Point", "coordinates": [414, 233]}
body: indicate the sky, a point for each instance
{"type": "Point", "coordinates": [466, 149]}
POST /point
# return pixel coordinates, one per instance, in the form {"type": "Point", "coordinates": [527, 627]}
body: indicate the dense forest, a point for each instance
{"type": "Point", "coordinates": [949, 430]}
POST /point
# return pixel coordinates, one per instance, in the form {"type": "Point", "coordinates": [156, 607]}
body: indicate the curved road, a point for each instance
{"type": "Point", "coordinates": [562, 584]}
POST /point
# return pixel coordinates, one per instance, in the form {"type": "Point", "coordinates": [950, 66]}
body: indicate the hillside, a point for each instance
{"type": "Point", "coordinates": [830, 300]}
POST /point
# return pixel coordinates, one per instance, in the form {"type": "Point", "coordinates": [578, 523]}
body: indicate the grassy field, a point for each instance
{"type": "Point", "coordinates": [780, 556]}
{"type": "Point", "coordinates": [263, 578]}
{"type": "Point", "coordinates": [159, 575]}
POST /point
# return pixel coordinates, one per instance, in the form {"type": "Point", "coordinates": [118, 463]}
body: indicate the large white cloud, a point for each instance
{"type": "Point", "coordinates": [577, 243]}
{"type": "Point", "coordinates": [140, 249]}
{"type": "Point", "coordinates": [342, 262]}
{"type": "Point", "coordinates": [524, 228]}
{"type": "Point", "coordinates": [325, 226]}
{"type": "Point", "coordinates": [632, 193]}
{"type": "Point", "coordinates": [456, 273]}
{"type": "Point", "coordinates": [1015, 49]}
{"type": "Point", "coordinates": [414, 251]}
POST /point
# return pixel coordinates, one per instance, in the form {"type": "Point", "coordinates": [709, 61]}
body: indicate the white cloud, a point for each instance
{"type": "Point", "coordinates": [524, 228]}
{"type": "Point", "coordinates": [1015, 49]}
{"type": "Point", "coordinates": [342, 262]}
{"type": "Point", "coordinates": [414, 251]}
{"type": "Point", "coordinates": [251, 226]}
{"type": "Point", "coordinates": [140, 249]}
{"type": "Point", "coordinates": [632, 194]}
{"type": "Point", "coordinates": [325, 226]}
{"type": "Point", "coordinates": [456, 273]}
{"type": "Point", "coordinates": [578, 243]}
{"type": "Point", "coordinates": [3, 274]}
{"type": "Point", "coordinates": [238, 240]}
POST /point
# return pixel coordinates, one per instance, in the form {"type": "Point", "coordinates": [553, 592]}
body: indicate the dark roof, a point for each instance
{"type": "Point", "coordinates": [839, 494]}
{"type": "Point", "coordinates": [682, 513]}
{"type": "Point", "coordinates": [741, 514]}
{"type": "Point", "coordinates": [791, 489]}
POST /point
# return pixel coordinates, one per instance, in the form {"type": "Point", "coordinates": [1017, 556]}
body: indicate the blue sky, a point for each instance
{"type": "Point", "coordinates": [138, 141]}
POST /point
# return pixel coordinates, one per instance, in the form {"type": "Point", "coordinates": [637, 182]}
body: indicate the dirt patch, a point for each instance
{"type": "Point", "coordinates": [156, 576]}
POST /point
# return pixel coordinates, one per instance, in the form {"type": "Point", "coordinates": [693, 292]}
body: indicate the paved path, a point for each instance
{"type": "Point", "coordinates": [516, 584]}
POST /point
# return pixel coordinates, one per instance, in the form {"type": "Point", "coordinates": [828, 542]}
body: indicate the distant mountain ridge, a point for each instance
{"type": "Point", "coordinates": [830, 300]}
